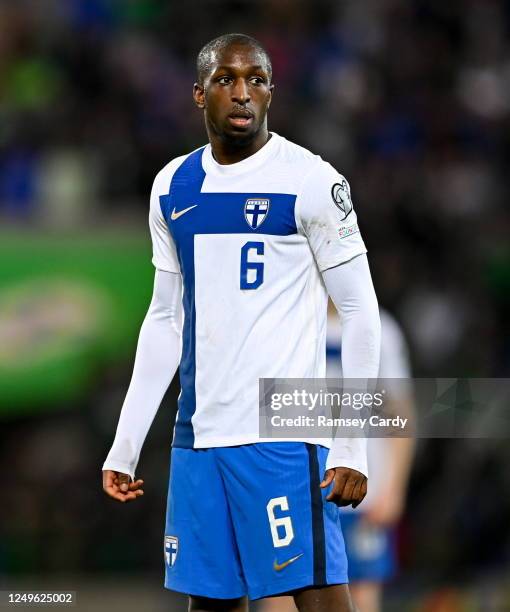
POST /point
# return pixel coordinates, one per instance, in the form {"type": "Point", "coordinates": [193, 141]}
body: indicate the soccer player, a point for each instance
{"type": "Point", "coordinates": [250, 234]}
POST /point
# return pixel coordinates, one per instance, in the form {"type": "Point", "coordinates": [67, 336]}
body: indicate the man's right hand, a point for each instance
{"type": "Point", "coordinates": [118, 486]}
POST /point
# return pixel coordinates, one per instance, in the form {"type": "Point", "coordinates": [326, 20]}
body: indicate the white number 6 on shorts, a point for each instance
{"type": "Point", "coordinates": [285, 522]}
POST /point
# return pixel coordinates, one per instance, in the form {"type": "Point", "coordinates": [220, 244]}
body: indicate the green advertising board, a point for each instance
{"type": "Point", "coordinates": [69, 307]}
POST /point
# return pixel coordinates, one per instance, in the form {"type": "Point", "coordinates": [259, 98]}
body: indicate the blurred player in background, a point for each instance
{"type": "Point", "coordinates": [250, 234]}
{"type": "Point", "coordinates": [369, 530]}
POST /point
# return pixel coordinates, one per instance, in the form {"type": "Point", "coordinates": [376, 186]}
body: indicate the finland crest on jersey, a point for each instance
{"type": "Point", "coordinates": [255, 211]}
{"type": "Point", "coordinates": [171, 549]}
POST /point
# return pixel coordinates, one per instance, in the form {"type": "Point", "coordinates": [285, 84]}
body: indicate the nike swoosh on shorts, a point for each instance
{"type": "Point", "coordinates": [279, 566]}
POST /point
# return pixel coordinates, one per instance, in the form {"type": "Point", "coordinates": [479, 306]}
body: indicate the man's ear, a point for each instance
{"type": "Point", "coordinates": [199, 95]}
{"type": "Point", "coordinates": [271, 91]}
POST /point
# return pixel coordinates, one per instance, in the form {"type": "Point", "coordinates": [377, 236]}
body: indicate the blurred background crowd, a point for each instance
{"type": "Point", "coordinates": [410, 99]}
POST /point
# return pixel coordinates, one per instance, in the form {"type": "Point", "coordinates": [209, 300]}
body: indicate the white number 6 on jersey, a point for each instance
{"type": "Point", "coordinates": [284, 521]}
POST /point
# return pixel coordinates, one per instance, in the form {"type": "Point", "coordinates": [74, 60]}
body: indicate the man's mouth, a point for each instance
{"type": "Point", "coordinates": [240, 118]}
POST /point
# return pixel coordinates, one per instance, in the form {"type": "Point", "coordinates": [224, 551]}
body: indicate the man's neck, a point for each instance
{"type": "Point", "coordinates": [226, 153]}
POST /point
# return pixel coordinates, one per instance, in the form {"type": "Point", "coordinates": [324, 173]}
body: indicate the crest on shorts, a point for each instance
{"type": "Point", "coordinates": [171, 547]}
{"type": "Point", "coordinates": [255, 211]}
{"type": "Point", "coordinates": [341, 195]}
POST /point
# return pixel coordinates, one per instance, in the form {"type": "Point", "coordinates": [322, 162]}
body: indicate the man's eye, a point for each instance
{"type": "Point", "coordinates": [224, 80]}
{"type": "Point", "coordinates": [257, 80]}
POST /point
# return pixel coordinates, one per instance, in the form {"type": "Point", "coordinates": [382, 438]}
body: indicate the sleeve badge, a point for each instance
{"type": "Point", "coordinates": [341, 195]}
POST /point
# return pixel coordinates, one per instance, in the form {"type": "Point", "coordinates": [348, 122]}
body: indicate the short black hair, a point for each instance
{"type": "Point", "coordinates": [207, 52]}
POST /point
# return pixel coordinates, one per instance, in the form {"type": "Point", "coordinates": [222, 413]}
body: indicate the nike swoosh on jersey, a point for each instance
{"type": "Point", "coordinates": [279, 566]}
{"type": "Point", "coordinates": [176, 215]}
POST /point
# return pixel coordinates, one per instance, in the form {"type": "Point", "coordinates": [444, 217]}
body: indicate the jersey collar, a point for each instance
{"type": "Point", "coordinates": [211, 166]}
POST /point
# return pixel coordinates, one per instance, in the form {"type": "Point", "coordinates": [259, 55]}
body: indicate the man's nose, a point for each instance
{"type": "Point", "coordinates": [240, 92]}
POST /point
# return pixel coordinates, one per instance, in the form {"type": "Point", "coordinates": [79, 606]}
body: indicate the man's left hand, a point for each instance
{"type": "Point", "coordinates": [349, 486]}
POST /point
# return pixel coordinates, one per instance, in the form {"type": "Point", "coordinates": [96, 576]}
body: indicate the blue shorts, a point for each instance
{"type": "Point", "coordinates": [251, 520]}
{"type": "Point", "coordinates": [370, 550]}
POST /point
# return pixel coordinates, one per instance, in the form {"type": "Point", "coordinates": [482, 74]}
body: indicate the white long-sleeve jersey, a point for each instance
{"type": "Point", "coordinates": [258, 244]}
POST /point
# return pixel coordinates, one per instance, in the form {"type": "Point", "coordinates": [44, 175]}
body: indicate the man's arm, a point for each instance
{"type": "Point", "coordinates": [157, 358]}
{"type": "Point", "coordinates": [325, 215]}
{"type": "Point", "coordinates": [351, 289]}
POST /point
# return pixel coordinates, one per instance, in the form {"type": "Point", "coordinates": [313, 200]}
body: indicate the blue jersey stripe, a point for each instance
{"type": "Point", "coordinates": [186, 183]}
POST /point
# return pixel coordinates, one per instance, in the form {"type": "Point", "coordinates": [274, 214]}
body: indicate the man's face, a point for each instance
{"type": "Point", "coordinates": [236, 94]}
